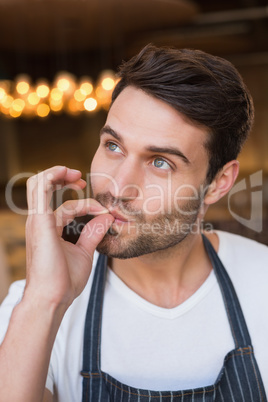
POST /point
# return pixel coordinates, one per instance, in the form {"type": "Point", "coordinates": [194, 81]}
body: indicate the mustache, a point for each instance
{"type": "Point", "coordinates": [108, 200]}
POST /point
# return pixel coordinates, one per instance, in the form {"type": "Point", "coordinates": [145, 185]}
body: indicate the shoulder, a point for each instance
{"type": "Point", "coordinates": [241, 251]}
{"type": "Point", "coordinates": [14, 296]}
{"type": "Point", "coordinates": [246, 262]}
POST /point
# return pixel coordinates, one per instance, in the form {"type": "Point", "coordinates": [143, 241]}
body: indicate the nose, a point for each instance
{"type": "Point", "coordinates": [126, 182]}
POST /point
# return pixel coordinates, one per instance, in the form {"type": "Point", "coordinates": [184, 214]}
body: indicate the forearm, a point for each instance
{"type": "Point", "coordinates": [57, 272]}
{"type": "Point", "coordinates": [26, 349]}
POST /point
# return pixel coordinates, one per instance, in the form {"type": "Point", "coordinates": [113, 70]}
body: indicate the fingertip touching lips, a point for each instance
{"type": "Point", "coordinates": [116, 215]}
{"type": "Point", "coordinates": [119, 209]}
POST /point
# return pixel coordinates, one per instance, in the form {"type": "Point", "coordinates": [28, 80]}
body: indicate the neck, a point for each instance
{"type": "Point", "coordinates": [167, 278]}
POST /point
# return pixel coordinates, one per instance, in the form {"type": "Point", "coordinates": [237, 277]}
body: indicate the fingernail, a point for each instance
{"type": "Point", "coordinates": [101, 210]}
{"type": "Point", "coordinates": [75, 171]}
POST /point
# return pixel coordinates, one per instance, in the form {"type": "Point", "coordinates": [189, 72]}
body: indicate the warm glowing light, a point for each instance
{"type": "Point", "coordinates": [42, 110]}
{"type": "Point", "coordinates": [20, 97]}
{"type": "Point", "coordinates": [63, 84]}
{"type": "Point", "coordinates": [80, 95]}
{"type": "Point", "coordinates": [33, 98]}
{"type": "Point", "coordinates": [73, 106]}
{"type": "Point", "coordinates": [42, 90]}
{"type": "Point", "coordinates": [14, 113]}
{"type": "Point", "coordinates": [2, 94]}
{"type": "Point", "coordinates": [4, 110]}
{"type": "Point", "coordinates": [108, 83]}
{"type": "Point", "coordinates": [18, 105]}
{"type": "Point", "coordinates": [7, 102]}
{"type": "Point", "coordinates": [56, 94]}
{"type": "Point", "coordinates": [86, 87]}
{"type": "Point", "coordinates": [56, 106]}
{"type": "Point", "coordinates": [100, 93]}
{"type": "Point", "coordinates": [90, 104]}
{"type": "Point", "coordinates": [107, 80]}
{"type": "Point", "coordinates": [104, 97]}
{"type": "Point", "coordinates": [22, 87]}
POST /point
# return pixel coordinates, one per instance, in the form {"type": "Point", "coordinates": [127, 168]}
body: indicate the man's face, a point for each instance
{"type": "Point", "coordinates": [148, 171]}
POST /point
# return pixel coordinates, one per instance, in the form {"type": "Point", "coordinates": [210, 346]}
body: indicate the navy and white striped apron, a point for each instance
{"type": "Point", "coordinates": [238, 380]}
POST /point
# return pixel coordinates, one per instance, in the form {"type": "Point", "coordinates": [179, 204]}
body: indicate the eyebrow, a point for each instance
{"type": "Point", "coordinates": [152, 148]}
{"type": "Point", "coordinates": [108, 130]}
{"type": "Point", "coordinates": [170, 151]}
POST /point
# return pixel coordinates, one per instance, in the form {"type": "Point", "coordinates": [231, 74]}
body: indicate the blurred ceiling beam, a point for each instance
{"type": "Point", "coordinates": [47, 26]}
{"type": "Point", "coordinates": [245, 14]}
{"type": "Point", "coordinates": [232, 31]}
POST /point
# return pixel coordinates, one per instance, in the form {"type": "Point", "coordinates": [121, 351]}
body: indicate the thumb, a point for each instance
{"type": "Point", "coordinates": [93, 232]}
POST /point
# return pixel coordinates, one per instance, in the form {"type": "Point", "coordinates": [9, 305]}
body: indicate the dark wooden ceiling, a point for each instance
{"type": "Point", "coordinates": [40, 37]}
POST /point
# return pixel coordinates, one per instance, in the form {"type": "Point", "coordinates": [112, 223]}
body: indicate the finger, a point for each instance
{"type": "Point", "coordinates": [41, 186]}
{"type": "Point", "coordinates": [77, 185]}
{"type": "Point", "coordinates": [71, 209]}
{"type": "Point", "coordinates": [93, 233]}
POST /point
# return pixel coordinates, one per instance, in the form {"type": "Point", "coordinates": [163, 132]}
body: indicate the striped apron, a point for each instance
{"type": "Point", "coordinates": [238, 380]}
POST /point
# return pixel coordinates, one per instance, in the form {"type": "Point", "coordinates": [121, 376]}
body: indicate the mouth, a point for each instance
{"type": "Point", "coordinates": [119, 219]}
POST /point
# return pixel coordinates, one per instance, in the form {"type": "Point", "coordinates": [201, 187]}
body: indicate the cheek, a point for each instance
{"type": "Point", "coordinates": [167, 196]}
{"type": "Point", "coordinates": [156, 197]}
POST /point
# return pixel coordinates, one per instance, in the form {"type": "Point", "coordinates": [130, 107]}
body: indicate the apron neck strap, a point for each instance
{"type": "Point", "coordinates": [234, 312]}
{"type": "Point", "coordinates": [92, 332]}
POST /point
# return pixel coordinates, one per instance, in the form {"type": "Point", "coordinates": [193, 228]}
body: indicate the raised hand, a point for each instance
{"type": "Point", "coordinates": [56, 269]}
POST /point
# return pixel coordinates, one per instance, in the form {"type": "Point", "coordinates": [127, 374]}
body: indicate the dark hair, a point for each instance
{"type": "Point", "coordinates": [208, 90]}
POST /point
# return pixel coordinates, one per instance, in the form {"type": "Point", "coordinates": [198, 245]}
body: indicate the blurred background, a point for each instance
{"type": "Point", "coordinates": [58, 61]}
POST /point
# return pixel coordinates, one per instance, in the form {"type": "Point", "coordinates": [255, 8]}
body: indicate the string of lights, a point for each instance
{"type": "Point", "coordinates": [20, 98]}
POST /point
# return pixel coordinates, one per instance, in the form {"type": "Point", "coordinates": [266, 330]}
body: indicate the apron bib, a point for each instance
{"type": "Point", "coordinates": [238, 380]}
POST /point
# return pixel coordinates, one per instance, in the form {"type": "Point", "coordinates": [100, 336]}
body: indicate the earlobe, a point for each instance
{"type": "Point", "coordinates": [222, 183]}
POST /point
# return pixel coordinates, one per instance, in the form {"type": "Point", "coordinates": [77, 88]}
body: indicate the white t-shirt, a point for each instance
{"type": "Point", "coordinates": [150, 347]}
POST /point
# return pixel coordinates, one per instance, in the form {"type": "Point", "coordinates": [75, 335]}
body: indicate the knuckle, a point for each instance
{"type": "Point", "coordinates": [67, 205]}
{"type": "Point", "coordinates": [30, 181]}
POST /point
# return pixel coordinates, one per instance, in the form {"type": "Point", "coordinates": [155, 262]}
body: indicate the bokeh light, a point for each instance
{"type": "Point", "coordinates": [90, 104]}
{"type": "Point", "coordinates": [66, 93]}
{"type": "Point", "coordinates": [42, 90]}
{"type": "Point", "coordinates": [80, 95]}
{"type": "Point", "coordinates": [22, 87]}
{"type": "Point", "coordinates": [7, 102]}
{"type": "Point", "coordinates": [22, 83]}
{"type": "Point", "coordinates": [33, 98]}
{"type": "Point", "coordinates": [42, 110]}
{"type": "Point", "coordinates": [56, 94]}
{"type": "Point", "coordinates": [14, 113]}
{"type": "Point", "coordinates": [18, 105]}
{"type": "Point", "coordinates": [56, 105]}
{"type": "Point", "coordinates": [108, 83]}
{"type": "Point", "coordinates": [2, 94]}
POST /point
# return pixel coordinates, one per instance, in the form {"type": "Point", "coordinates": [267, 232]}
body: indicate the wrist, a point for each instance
{"type": "Point", "coordinates": [34, 302]}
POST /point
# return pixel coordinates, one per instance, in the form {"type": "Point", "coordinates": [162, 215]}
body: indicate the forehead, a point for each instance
{"type": "Point", "coordinates": [145, 120]}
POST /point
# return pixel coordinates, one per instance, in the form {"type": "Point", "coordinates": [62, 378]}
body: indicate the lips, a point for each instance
{"type": "Point", "coordinates": [118, 217]}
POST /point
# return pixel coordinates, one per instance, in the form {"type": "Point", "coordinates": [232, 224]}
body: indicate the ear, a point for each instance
{"type": "Point", "coordinates": [222, 183]}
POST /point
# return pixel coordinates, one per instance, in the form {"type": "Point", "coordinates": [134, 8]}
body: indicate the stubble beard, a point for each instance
{"type": "Point", "coordinates": [161, 232]}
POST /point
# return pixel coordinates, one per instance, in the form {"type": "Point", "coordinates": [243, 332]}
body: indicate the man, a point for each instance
{"type": "Point", "coordinates": [165, 317]}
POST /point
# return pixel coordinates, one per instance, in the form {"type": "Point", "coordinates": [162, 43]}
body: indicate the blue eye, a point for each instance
{"type": "Point", "coordinates": [113, 147]}
{"type": "Point", "coordinates": [161, 164]}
